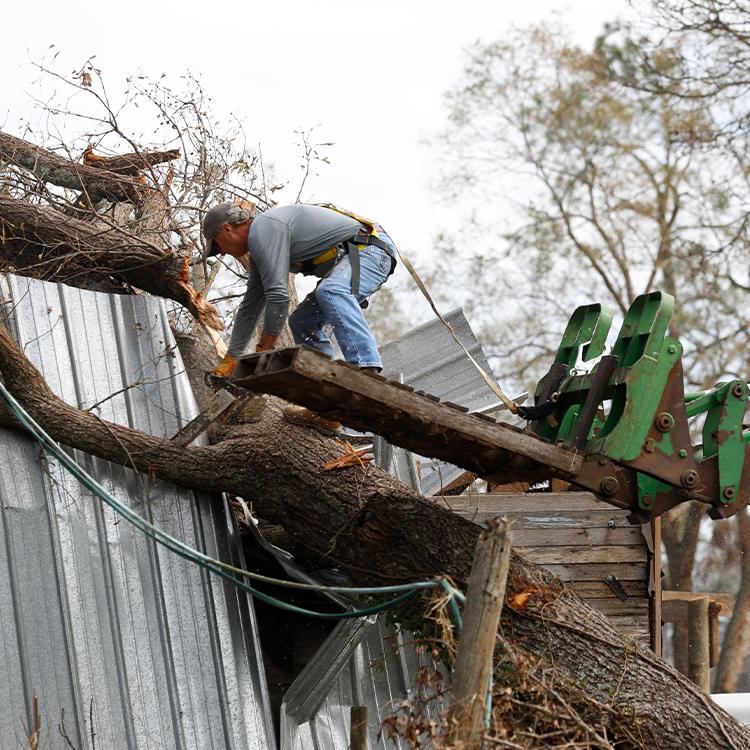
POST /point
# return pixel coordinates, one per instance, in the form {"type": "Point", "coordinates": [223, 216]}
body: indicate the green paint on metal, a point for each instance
{"type": "Point", "coordinates": [649, 356]}
{"type": "Point", "coordinates": [722, 435]}
{"type": "Point", "coordinates": [648, 489]}
{"type": "Point", "coordinates": [588, 328]}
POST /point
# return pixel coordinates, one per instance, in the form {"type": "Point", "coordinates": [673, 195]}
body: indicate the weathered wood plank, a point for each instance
{"type": "Point", "coordinates": [406, 419]}
{"type": "Point", "coordinates": [530, 535]}
{"type": "Point", "coordinates": [619, 608]}
{"type": "Point", "coordinates": [590, 554]}
{"type": "Point", "coordinates": [484, 602]}
{"type": "Point", "coordinates": [599, 571]}
{"type": "Point", "coordinates": [590, 590]}
{"type": "Point", "coordinates": [538, 501]}
{"type": "Point", "coordinates": [557, 519]}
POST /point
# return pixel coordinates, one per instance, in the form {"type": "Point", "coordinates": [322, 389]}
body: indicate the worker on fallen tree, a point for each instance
{"type": "Point", "coordinates": [352, 256]}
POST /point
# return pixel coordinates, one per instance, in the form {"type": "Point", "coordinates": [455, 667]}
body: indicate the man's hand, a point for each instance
{"type": "Point", "coordinates": [226, 367]}
{"type": "Point", "coordinates": [267, 342]}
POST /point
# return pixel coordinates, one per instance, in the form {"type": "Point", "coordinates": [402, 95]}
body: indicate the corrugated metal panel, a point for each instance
{"type": "Point", "coordinates": [362, 663]}
{"type": "Point", "coordinates": [133, 646]}
{"type": "Point", "coordinates": [428, 359]}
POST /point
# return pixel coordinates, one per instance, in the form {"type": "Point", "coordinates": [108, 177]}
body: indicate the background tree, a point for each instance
{"type": "Point", "coordinates": [609, 190]}
{"type": "Point", "coordinates": [713, 39]}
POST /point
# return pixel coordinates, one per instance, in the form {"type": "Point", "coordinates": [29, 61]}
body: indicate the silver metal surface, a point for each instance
{"type": "Point", "coordinates": [429, 359]}
{"type": "Point", "coordinates": [124, 644]}
{"type": "Point", "coordinates": [363, 662]}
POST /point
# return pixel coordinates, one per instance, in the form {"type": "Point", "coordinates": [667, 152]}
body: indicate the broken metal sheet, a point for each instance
{"type": "Point", "coordinates": [428, 359]}
{"type": "Point", "coordinates": [363, 662]}
{"type": "Point", "coordinates": [135, 647]}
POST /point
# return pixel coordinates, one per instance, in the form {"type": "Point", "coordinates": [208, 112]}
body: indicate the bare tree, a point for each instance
{"type": "Point", "coordinates": [628, 196]}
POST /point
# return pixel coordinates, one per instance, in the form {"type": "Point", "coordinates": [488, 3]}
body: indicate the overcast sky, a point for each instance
{"type": "Point", "coordinates": [369, 76]}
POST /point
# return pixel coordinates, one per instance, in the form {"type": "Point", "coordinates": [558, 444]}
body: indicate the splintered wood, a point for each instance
{"type": "Point", "coordinates": [350, 457]}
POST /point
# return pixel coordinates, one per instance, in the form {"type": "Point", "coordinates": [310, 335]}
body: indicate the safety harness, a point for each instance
{"type": "Point", "coordinates": [365, 237]}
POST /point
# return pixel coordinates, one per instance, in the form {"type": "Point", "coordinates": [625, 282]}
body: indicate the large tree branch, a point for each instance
{"type": "Point", "coordinates": [42, 243]}
{"type": "Point", "coordinates": [378, 530]}
{"type": "Point", "coordinates": [129, 164]}
{"type": "Point", "coordinates": [51, 167]}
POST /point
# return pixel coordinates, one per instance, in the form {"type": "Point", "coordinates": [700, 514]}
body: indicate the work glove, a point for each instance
{"type": "Point", "coordinates": [226, 367]}
{"type": "Point", "coordinates": [267, 342]}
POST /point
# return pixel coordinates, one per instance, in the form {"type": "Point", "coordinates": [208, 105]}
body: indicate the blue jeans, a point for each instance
{"type": "Point", "coordinates": [333, 303]}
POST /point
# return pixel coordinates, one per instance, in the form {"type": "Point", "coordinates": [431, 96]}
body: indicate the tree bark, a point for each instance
{"type": "Point", "coordinates": [680, 539]}
{"type": "Point", "coordinates": [736, 644]}
{"type": "Point", "coordinates": [377, 530]}
{"type": "Point", "coordinates": [48, 166]}
{"type": "Point", "coordinates": [42, 243]}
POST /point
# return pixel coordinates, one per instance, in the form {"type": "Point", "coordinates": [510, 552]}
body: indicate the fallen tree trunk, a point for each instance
{"type": "Point", "coordinates": [47, 166]}
{"type": "Point", "coordinates": [42, 243]}
{"type": "Point", "coordinates": [377, 530]}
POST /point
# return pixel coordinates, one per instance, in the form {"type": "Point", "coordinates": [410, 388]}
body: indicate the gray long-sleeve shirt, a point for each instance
{"type": "Point", "coordinates": [277, 239]}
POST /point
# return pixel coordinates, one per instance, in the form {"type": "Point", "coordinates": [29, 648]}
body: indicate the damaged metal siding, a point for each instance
{"type": "Point", "coordinates": [429, 359]}
{"type": "Point", "coordinates": [363, 662]}
{"type": "Point", "coordinates": [126, 643]}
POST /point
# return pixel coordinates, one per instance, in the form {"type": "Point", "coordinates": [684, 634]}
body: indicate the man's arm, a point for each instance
{"type": "Point", "coordinates": [270, 243]}
{"type": "Point", "coordinates": [247, 314]}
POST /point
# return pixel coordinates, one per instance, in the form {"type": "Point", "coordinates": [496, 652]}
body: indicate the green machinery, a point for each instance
{"type": "Point", "coordinates": [621, 430]}
{"type": "Point", "coordinates": [631, 419]}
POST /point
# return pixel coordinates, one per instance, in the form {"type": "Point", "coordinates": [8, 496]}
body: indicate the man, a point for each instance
{"type": "Point", "coordinates": [352, 257]}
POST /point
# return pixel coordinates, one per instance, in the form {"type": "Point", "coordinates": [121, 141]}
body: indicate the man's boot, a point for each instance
{"type": "Point", "coordinates": [306, 418]}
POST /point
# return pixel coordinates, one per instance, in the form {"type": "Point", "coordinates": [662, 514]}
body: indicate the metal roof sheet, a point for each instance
{"type": "Point", "coordinates": [128, 644]}
{"type": "Point", "coordinates": [364, 662]}
{"type": "Point", "coordinates": [429, 359]}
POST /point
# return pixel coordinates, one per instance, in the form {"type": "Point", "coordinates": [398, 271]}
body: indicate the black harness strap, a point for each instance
{"type": "Point", "coordinates": [350, 247]}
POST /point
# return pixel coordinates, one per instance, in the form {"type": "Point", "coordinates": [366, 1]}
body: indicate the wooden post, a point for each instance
{"type": "Point", "coordinates": [698, 643]}
{"type": "Point", "coordinates": [713, 632]}
{"type": "Point", "coordinates": [484, 602]}
{"type": "Point", "coordinates": [358, 728]}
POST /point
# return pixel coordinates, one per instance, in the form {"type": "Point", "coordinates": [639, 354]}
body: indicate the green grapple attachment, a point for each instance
{"type": "Point", "coordinates": [628, 415]}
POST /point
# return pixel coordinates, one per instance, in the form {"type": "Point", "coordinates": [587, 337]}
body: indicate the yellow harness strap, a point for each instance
{"type": "Point", "coordinates": [332, 252]}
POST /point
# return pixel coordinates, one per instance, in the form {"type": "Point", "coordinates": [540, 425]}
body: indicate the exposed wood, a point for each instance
{"type": "Point", "coordinates": [698, 643]}
{"type": "Point", "coordinates": [408, 419]}
{"type": "Point", "coordinates": [578, 555]}
{"type": "Point", "coordinates": [655, 584]}
{"type": "Point", "coordinates": [713, 633]}
{"type": "Point", "coordinates": [675, 604]}
{"type": "Point", "coordinates": [476, 647]}
{"type": "Point", "coordinates": [129, 164]}
{"type": "Point", "coordinates": [629, 608]}
{"type": "Point", "coordinates": [604, 518]}
{"type": "Point", "coordinates": [599, 590]}
{"type": "Point", "coordinates": [534, 535]}
{"type": "Point", "coordinates": [42, 243]}
{"type": "Point", "coordinates": [599, 571]}
{"type": "Point", "coordinates": [61, 171]}
{"type": "Point", "coordinates": [358, 731]}
{"type": "Point", "coordinates": [551, 534]}
{"type": "Point", "coordinates": [536, 501]}
{"type": "Point", "coordinates": [459, 484]}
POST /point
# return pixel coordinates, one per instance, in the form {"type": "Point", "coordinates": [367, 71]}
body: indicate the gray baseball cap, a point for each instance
{"type": "Point", "coordinates": [222, 213]}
